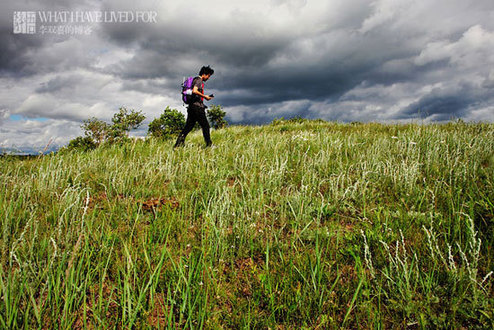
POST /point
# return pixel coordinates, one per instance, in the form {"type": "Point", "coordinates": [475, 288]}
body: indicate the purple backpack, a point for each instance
{"type": "Point", "coordinates": [187, 86]}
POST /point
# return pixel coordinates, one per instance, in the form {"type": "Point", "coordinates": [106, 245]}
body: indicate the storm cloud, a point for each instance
{"type": "Point", "coordinates": [386, 60]}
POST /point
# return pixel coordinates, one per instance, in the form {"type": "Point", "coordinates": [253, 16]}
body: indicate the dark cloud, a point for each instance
{"type": "Point", "coordinates": [265, 113]}
{"type": "Point", "coordinates": [58, 83]}
{"type": "Point", "coordinates": [18, 50]}
{"type": "Point", "coordinates": [443, 104]}
{"type": "Point", "coordinates": [254, 68]}
{"type": "Point", "coordinates": [438, 105]}
{"type": "Point", "coordinates": [14, 59]}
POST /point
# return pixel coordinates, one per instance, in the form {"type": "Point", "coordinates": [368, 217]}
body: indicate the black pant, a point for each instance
{"type": "Point", "coordinates": [195, 113]}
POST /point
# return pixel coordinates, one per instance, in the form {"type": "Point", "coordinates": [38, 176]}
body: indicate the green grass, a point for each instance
{"type": "Point", "coordinates": [303, 224]}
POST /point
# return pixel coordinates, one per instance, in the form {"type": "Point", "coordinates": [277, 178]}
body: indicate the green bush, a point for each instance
{"type": "Point", "coordinates": [80, 143]}
{"type": "Point", "coordinates": [168, 124]}
{"type": "Point", "coordinates": [123, 122]}
{"type": "Point", "coordinates": [216, 117]}
{"type": "Point", "coordinates": [96, 130]}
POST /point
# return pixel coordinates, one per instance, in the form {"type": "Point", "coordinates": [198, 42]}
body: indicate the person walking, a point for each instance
{"type": "Point", "coordinates": [196, 111]}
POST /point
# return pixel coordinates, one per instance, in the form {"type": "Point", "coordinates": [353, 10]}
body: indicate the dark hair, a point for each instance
{"type": "Point", "coordinates": [206, 70]}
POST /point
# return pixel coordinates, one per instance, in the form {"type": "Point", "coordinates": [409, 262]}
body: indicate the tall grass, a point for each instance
{"type": "Point", "coordinates": [309, 224]}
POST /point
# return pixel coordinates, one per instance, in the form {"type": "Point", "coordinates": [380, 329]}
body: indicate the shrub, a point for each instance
{"type": "Point", "coordinates": [124, 120]}
{"type": "Point", "coordinates": [216, 117]}
{"type": "Point", "coordinates": [80, 143]}
{"type": "Point", "coordinates": [168, 124]}
{"type": "Point", "coordinates": [96, 130]}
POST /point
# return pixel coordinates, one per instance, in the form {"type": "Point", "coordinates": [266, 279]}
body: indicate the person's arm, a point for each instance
{"type": "Point", "coordinates": [196, 91]}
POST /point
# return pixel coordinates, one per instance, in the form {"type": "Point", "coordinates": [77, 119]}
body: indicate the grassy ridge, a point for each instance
{"type": "Point", "coordinates": [295, 224]}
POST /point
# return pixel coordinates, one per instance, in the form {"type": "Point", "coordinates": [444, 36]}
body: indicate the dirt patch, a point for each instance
{"type": "Point", "coordinates": [92, 298]}
{"type": "Point", "coordinates": [155, 204]}
{"type": "Point", "coordinates": [97, 200]}
{"type": "Point", "coordinates": [239, 276]}
{"type": "Point", "coordinates": [244, 264]}
{"type": "Point", "coordinates": [158, 316]}
{"type": "Point", "coordinates": [347, 274]}
{"type": "Point", "coordinates": [231, 181]}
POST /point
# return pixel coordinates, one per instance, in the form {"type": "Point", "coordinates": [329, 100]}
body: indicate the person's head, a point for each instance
{"type": "Point", "coordinates": [206, 72]}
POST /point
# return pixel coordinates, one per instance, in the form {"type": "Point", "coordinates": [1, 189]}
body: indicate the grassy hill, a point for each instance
{"type": "Point", "coordinates": [295, 224]}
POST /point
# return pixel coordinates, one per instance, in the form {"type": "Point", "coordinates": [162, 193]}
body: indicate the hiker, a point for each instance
{"type": "Point", "coordinates": [196, 111]}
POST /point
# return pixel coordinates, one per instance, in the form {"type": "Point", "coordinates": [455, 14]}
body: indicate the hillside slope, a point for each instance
{"type": "Point", "coordinates": [294, 224]}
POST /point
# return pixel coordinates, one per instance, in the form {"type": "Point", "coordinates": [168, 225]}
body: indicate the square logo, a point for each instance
{"type": "Point", "coordinates": [24, 22]}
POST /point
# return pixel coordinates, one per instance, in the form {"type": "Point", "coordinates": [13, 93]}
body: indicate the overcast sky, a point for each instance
{"type": "Point", "coordinates": [385, 60]}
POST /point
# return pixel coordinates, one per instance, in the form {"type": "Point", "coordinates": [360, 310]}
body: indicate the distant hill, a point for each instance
{"type": "Point", "coordinates": [29, 150]}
